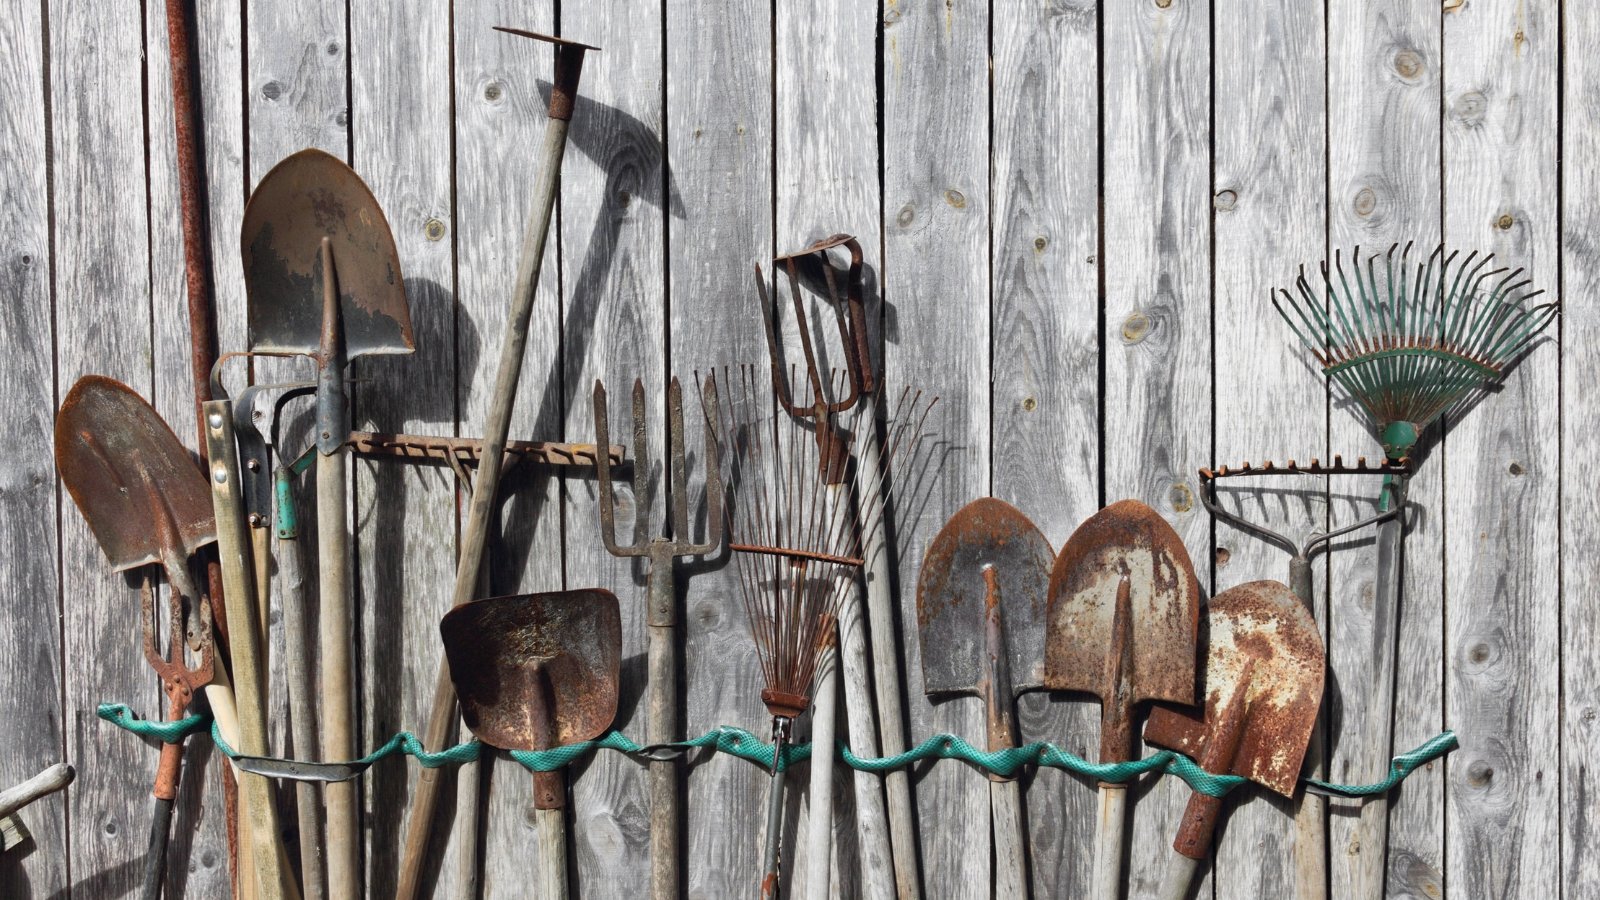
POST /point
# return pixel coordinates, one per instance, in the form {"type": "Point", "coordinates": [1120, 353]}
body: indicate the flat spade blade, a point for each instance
{"type": "Point", "coordinates": [1264, 666]}
{"type": "Point", "coordinates": [1123, 611]}
{"type": "Point", "coordinates": [986, 534]}
{"type": "Point", "coordinates": [306, 197]}
{"type": "Point", "coordinates": [131, 478]}
{"type": "Point", "coordinates": [535, 671]}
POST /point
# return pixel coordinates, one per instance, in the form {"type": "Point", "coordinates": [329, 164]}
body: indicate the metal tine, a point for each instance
{"type": "Point", "coordinates": [679, 487]}
{"type": "Point", "coordinates": [608, 525]}
{"type": "Point", "coordinates": [643, 498]}
{"type": "Point", "coordinates": [679, 544]}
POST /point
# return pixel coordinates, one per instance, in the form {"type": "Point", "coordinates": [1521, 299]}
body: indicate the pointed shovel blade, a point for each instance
{"type": "Point", "coordinates": [306, 197]}
{"type": "Point", "coordinates": [951, 592]}
{"type": "Point", "coordinates": [1262, 651]}
{"type": "Point", "coordinates": [129, 474]}
{"type": "Point", "coordinates": [535, 671]}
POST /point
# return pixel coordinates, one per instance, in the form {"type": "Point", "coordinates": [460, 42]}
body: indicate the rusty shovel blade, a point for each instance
{"type": "Point", "coordinates": [137, 487]}
{"type": "Point", "coordinates": [1124, 609]}
{"type": "Point", "coordinates": [981, 604]}
{"type": "Point", "coordinates": [305, 198]}
{"type": "Point", "coordinates": [1263, 685]}
{"type": "Point", "coordinates": [535, 671]}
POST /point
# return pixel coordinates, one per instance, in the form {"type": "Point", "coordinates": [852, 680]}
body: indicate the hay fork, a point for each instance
{"type": "Point", "coordinates": [666, 720]}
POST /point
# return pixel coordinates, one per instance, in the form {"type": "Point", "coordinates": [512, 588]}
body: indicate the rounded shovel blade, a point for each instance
{"type": "Point", "coordinates": [1262, 650]}
{"type": "Point", "coordinates": [306, 197]}
{"type": "Point", "coordinates": [535, 671]}
{"type": "Point", "coordinates": [951, 592]}
{"type": "Point", "coordinates": [126, 471]}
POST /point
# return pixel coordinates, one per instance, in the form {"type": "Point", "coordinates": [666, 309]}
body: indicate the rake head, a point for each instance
{"type": "Point", "coordinates": [1410, 340]}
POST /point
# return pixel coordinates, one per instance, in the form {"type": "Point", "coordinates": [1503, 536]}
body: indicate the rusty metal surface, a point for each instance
{"type": "Point", "coordinates": [986, 534]}
{"type": "Point", "coordinates": [535, 671]}
{"type": "Point", "coordinates": [1400, 466]}
{"type": "Point", "coordinates": [1124, 610]}
{"type": "Point", "coordinates": [470, 450]}
{"type": "Point", "coordinates": [127, 471]}
{"type": "Point", "coordinates": [306, 197]}
{"type": "Point", "coordinates": [1263, 676]}
{"type": "Point", "coordinates": [568, 71]}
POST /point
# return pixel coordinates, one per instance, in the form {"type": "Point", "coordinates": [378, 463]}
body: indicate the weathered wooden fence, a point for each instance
{"type": "Point", "coordinates": [1073, 212]}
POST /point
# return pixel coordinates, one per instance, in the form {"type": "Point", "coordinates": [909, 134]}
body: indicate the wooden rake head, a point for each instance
{"type": "Point", "coordinates": [679, 543]}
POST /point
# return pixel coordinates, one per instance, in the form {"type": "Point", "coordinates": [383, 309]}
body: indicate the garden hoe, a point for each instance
{"type": "Point", "coordinates": [1124, 608]}
{"type": "Point", "coordinates": [324, 281]}
{"type": "Point", "coordinates": [497, 428]}
{"type": "Point", "coordinates": [534, 672]}
{"type": "Point", "coordinates": [1263, 685]}
{"type": "Point", "coordinates": [980, 613]}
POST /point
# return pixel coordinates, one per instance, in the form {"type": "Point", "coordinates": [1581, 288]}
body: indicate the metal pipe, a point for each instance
{"type": "Point", "coordinates": [772, 859]}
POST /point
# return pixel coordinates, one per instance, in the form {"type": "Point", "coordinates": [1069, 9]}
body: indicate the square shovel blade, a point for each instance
{"type": "Point", "coordinates": [129, 474]}
{"type": "Point", "coordinates": [952, 590]}
{"type": "Point", "coordinates": [535, 671]}
{"type": "Point", "coordinates": [1264, 666]}
{"type": "Point", "coordinates": [306, 197]}
{"type": "Point", "coordinates": [1125, 541]}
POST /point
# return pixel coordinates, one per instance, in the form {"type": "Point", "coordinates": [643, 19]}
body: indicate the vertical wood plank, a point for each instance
{"type": "Point", "coordinates": [937, 183]}
{"type": "Point", "coordinates": [1268, 220]}
{"type": "Point", "coordinates": [197, 854]}
{"type": "Point", "coordinates": [102, 289]}
{"type": "Point", "coordinates": [719, 146]}
{"type": "Point", "coordinates": [404, 516]}
{"type": "Point", "coordinates": [1501, 467]}
{"type": "Point", "coordinates": [500, 118]}
{"type": "Point", "coordinates": [1045, 308]}
{"type": "Point", "coordinates": [1157, 148]}
{"type": "Point", "coordinates": [616, 198]}
{"type": "Point", "coordinates": [1384, 62]}
{"type": "Point", "coordinates": [1580, 533]}
{"type": "Point", "coordinates": [30, 641]}
{"type": "Point", "coordinates": [827, 174]}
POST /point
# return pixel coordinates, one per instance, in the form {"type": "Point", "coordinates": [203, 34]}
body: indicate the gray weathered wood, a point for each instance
{"type": "Point", "coordinates": [935, 268]}
{"type": "Point", "coordinates": [1501, 468]}
{"type": "Point", "coordinates": [1044, 306]}
{"type": "Point", "coordinates": [1580, 533]}
{"type": "Point", "coordinates": [616, 199]}
{"type": "Point", "coordinates": [1383, 79]}
{"type": "Point", "coordinates": [31, 638]}
{"type": "Point", "coordinates": [1157, 426]}
{"type": "Point", "coordinates": [1268, 220]}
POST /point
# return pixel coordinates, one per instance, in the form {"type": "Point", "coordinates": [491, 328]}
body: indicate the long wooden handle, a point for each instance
{"type": "Point", "coordinates": [1311, 810]}
{"type": "Point", "coordinates": [819, 823]}
{"type": "Point", "coordinates": [1010, 842]}
{"type": "Point", "coordinates": [1111, 828]}
{"type": "Point", "coordinates": [41, 785]}
{"type": "Point", "coordinates": [238, 572]}
{"type": "Point", "coordinates": [302, 718]}
{"type": "Point", "coordinates": [877, 860]}
{"type": "Point", "coordinates": [552, 827]}
{"type": "Point", "coordinates": [334, 651]}
{"type": "Point", "coordinates": [1180, 875]}
{"type": "Point", "coordinates": [665, 725]}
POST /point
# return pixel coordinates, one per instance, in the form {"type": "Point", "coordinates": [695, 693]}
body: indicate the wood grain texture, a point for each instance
{"type": "Point", "coordinates": [1501, 467]}
{"type": "Point", "coordinates": [937, 222]}
{"type": "Point", "coordinates": [102, 292]}
{"type": "Point", "coordinates": [404, 517]}
{"type": "Point", "coordinates": [1580, 534]}
{"type": "Point", "coordinates": [616, 199]}
{"type": "Point", "coordinates": [30, 642]}
{"type": "Point", "coordinates": [719, 146]}
{"type": "Point", "coordinates": [1157, 430]}
{"type": "Point", "coordinates": [827, 175]}
{"type": "Point", "coordinates": [1044, 305]}
{"type": "Point", "coordinates": [1384, 63]}
{"type": "Point", "coordinates": [1268, 220]}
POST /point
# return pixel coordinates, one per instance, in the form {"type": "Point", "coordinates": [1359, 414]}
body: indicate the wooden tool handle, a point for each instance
{"type": "Point", "coordinates": [664, 726]}
{"type": "Point", "coordinates": [1180, 875]}
{"type": "Point", "coordinates": [552, 826]}
{"type": "Point", "coordinates": [1010, 840]}
{"type": "Point", "coordinates": [1111, 828]}
{"type": "Point", "coordinates": [819, 824]}
{"type": "Point", "coordinates": [337, 662]}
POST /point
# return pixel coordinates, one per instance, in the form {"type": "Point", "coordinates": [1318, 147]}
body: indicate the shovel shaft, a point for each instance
{"type": "Point", "coordinates": [772, 855]}
{"type": "Point", "coordinates": [302, 718]}
{"type": "Point", "coordinates": [233, 550]}
{"type": "Point", "coordinates": [819, 824]}
{"type": "Point", "coordinates": [877, 863]}
{"type": "Point", "coordinates": [1180, 875]}
{"type": "Point", "coordinates": [552, 826]}
{"type": "Point", "coordinates": [1111, 826]}
{"type": "Point", "coordinates": [1010, 844]}
{"type": "Point", "coordinates": [1369, 847]}
{"type": "Point", "coordinates": [665, 724]}
{"type": "Point", "coordinates": [496, 429]}
{"type": "Point", "coordinates": [334, 652]}
{"type": "Point", "coordinates": [155, 859]}
{"type": "Point", "coordinates": [1311, 810]}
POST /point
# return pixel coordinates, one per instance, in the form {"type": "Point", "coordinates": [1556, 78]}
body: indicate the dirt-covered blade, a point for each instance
{"type": "Point", "coordinates": [535, 671]}
{"type": "Point", "coordinates": [129, 475]}
{"type": "Point", "coordinates": [1263, 676]}
{"type": "Point", "coordinates": [951, 593]}
{"type": "Point", "coordinates": [306, 197]}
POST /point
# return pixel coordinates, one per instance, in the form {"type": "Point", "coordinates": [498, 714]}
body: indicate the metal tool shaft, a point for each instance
{"type": "Point", "coordinates": [772, 858]}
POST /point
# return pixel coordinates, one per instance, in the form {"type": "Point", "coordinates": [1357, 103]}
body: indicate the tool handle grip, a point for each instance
{"type": "Point", "coordinates": [155, 860]}
{"type": "Point", "coordinates": [664, 727]}
{"type": "Point", "coordinates": [168, 771]}
{"type": "Point", "coordinates": [1010, 840]}
{"type": "Point", "coordinates": [552, 827]}
{"type": "Point", "coordinates": [1180, 875]}
{"type": "Point", "coordinates": [1111, 827]}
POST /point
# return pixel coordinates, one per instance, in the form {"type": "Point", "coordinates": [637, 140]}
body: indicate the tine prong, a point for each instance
{"type": "Point", "coordinates": [643, 497]}
{"type": "Point", "coordinates": [679, 487]}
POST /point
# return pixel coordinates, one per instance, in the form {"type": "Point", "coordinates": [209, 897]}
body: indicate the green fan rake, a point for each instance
{"type": "Point", "coordinates": [1410, 342]}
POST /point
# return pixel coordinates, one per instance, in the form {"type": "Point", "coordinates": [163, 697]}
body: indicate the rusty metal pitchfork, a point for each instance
{"type": "Point", "coordinates": [662, 608]}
